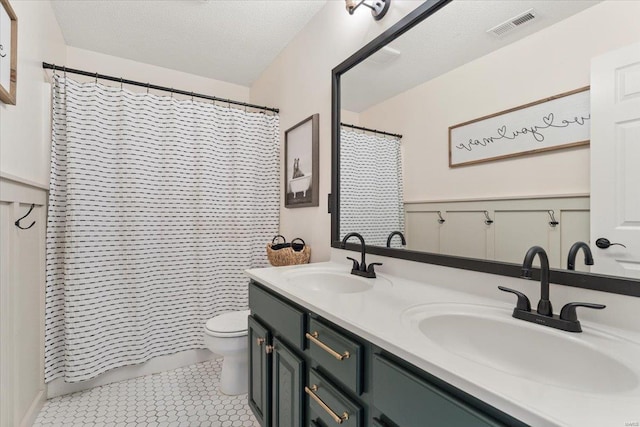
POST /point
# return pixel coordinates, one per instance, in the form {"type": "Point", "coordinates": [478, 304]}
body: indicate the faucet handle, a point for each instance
{"type": "Point", "coordinates": [568, 312]}
{"type": "Point", "coordinates": [371, 267]}
{"type": "Point", "coordinates": [356, 264]}
{"type": "Point", "coordinates": [523, 302]}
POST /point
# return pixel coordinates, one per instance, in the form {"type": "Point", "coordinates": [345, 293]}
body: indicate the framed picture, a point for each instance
{"type": "Point", "coordinates": [560, 121]}
{"type": "Point", "coordinates": [301, 164]}
{"type": "Point", "coordinates": [8, 53]}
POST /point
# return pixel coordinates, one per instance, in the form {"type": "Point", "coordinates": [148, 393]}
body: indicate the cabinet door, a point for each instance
{"type": "Point", "coordinates": [259, 371]}
{"type": "Point", "coordinates": [411, 401]}
{"type": "Point", "coordinates": [288, 371]}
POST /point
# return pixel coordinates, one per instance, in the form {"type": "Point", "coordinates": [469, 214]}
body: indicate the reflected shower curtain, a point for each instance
{"type": "Point", "coordinates": [156, 207]}
{"type": "Point", "coordinates": [371, 187]}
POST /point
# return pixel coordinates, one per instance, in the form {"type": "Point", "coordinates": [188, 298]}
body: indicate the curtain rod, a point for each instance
{"type": "Point", "coordinates": [155, 87]}
{"type": "Point", "coordinates": [397, 135]}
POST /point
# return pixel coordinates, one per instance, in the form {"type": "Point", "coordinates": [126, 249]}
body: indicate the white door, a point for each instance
{"type": "Point", "coordinates": [615, 161]}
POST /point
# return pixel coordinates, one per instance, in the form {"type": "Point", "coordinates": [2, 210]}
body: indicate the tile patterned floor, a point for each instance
{"type": "Point", "coordinates": [185, 397]}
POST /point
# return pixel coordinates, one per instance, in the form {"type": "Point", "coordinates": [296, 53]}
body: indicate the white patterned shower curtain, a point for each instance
{"type": "Point", "coordinates": [156, 207]}
{"type": "Point", "coordinates": [371, 186]}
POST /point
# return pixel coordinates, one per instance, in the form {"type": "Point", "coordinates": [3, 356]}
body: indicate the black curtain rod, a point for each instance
{"type": "Point", "coordinates": [155, 87]}
{"type": "Point", "coordinates": [397, 135]}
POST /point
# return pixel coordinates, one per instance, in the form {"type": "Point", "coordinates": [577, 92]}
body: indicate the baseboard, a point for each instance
{"type": "Point", "coordinates": [58, 387]}
{"type": "Point", "coordinates": [34, 409]}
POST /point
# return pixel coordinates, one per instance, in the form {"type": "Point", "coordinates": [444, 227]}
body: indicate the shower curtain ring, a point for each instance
{"type": "Point", "coordinates": [96, 77]}
{"type": "Point", "coordinates": [120, 83]}
{"type": "Point", "coordinates": [191, 96]}
{"type": "Point", "coordinates": [54, 70]}
{"type": "Point", "coordinates": [147, 88]}
{"type": "Point", "coordinates": [64, 71]}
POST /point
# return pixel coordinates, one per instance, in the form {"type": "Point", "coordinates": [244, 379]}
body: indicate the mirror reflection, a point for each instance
{"type": "Point", "coordinates": [473, 63]}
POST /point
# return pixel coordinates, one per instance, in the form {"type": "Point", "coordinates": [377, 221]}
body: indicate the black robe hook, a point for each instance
{"type": "Point", "coordinates": [17, 223]}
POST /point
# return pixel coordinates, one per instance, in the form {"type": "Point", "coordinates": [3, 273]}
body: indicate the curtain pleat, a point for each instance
{"type": "Point", "coordinates": [371, 187]}
{"type": "Point", "coordinates": [156, 207]}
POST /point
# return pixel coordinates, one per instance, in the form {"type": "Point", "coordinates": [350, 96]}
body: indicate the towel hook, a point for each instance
{"type": "Point", "coordinates": [440, 219]}
{"type": "Point", "coordinates": [17, 223]}
{"type": "Point", "coordinates": [553, 221]}
{"type": "Point", "coordinates": [488, 220]}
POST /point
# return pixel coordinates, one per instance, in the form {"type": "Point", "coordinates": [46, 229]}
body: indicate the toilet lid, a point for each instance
{"type": "Point", "coordinates": [233, 324]}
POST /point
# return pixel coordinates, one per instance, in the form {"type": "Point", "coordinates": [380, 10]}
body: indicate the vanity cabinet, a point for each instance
{"type": "Point", "coordinates": [307, 371]}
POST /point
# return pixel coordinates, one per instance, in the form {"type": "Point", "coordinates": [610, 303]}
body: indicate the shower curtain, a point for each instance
{"type": "Point", "coordinates": [156, 207]}
{"type": "Point", "coordinates": [371, 188]}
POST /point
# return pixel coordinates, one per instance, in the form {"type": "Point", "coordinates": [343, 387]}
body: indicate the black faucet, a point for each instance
{"type": "Point", "coordinates": [544, 305]}
{"type": "Point", "coordinates": [568, 320]}
{"type": "Point", "coordinates": [573, 252]}
{"type": "Point", "coordinates": [396, 233]}
{"type": "Point", "coordinates": [360, 269]}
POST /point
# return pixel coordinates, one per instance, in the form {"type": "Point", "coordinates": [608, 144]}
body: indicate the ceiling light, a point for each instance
{"type": "Point", "coordinates": [378, 7]}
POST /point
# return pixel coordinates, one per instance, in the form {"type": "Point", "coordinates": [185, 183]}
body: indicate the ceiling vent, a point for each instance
{"type": "Point", "coordinates": [510, 24]}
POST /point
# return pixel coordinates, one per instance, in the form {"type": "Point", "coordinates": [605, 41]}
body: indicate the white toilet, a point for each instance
{"type": "Point", "coordinates": [226, 335]}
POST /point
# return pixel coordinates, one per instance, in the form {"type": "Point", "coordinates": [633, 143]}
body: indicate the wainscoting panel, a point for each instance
{"type": "Point", "coordinates": [500, 229]}
{"type": "Point", "coordinates": [424, 228]}
{"type": "Point", "coordinates": [22, 263]}
{"type": "Point", "coordinates": [464, 233]}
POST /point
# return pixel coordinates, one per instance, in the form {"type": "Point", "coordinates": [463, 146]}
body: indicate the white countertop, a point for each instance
{"type": "Point", "coordinates": [377, 316]}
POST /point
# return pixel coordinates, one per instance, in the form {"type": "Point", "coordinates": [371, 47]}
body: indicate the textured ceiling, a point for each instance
{"type": "Point", "coordinates": [453, 36]}
{"type": "Point", "coordinates": [227, 40]}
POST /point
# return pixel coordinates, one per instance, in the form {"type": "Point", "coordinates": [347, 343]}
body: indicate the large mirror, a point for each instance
{"type": "Point", "coordinates": [471, 128]}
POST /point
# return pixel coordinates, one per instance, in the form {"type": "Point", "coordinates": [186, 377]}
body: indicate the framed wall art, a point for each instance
{"type": "Point", "coordinates": [301, 176]}
{"type": "Point", "coordinates": [553, 123]}
{"type": "Point", "coordinates": [8, 53]}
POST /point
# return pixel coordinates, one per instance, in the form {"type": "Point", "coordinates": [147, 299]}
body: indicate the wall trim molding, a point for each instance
{"type": "Point", "coordinates": [23, 181]}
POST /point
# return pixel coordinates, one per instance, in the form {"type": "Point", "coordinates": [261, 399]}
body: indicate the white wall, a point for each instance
{"type": "Point", "coordinates": [25, 127]}
{"type": "Point", "coordinates": [299, 83]}
{"type": "Point", "coordinates": [24, 156]}
{"type": "Point", "coordinates": [119, 67]}
{"type": "Point", "coordinates": [549, 62]}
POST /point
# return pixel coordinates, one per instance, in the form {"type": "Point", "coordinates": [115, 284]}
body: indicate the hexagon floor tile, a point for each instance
{"type": "Point", "coordinates": [185, 397]}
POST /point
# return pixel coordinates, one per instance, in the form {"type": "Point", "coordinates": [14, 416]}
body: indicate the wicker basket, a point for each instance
{"type": "Point", "coordinates": [287, 255]}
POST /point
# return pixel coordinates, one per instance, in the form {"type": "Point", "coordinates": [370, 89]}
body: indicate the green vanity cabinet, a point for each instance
{"type": "Point", "coordinates": [288, 386]}
{"type": "Point", "coordinates": [276, 379]}
{"type": "Point", "coordinates": [305, 371]}
{"type": "Point", "coordinates": [411, 401]}
{"type": "Point", "coordinates": [259, 392]}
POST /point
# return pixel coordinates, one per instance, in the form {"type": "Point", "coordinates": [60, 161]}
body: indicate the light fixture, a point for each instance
{"type": "Point", "coordinates": [378, 7]}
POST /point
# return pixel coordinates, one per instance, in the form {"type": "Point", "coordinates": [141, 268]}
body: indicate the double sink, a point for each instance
{"type": "Point", "coordinates": [594, 361]}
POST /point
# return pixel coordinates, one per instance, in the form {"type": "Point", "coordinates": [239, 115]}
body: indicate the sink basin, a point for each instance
{"type": "Point", "coordinates": [332, 281]}
{"type": "Point", "coordinates": [489, 336]}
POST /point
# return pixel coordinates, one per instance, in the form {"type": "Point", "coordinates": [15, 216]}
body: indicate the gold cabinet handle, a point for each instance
{"type": "Point", "coordinates": [268, 349]}
{"type": "Point", "coordinates": [313, 337]}
{"type": "Point", "coordinates": [337, 418]}
{"type": "Point", "coordinates": [259, 341]}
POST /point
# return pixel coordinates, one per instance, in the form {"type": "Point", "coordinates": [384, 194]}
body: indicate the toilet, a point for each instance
{"type": "Point", "coordinates": [226, 335]}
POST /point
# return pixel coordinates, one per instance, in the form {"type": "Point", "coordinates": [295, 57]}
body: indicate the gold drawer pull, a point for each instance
{"type": "Point", "coordinates": [337, 418]}
{"type": "Point", "coordinates": [313, 337]}
{"type": "Point", "coordinates": [259, 341]}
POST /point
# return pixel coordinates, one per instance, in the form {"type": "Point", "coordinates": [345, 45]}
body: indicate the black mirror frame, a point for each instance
{"type": "Point", "coordinates": [598, 282]}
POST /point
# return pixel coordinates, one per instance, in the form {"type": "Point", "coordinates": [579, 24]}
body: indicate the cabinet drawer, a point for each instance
{"type": "Point", "coordinates": [330, 405]}
{"type": "Point", "coordinates": [286, 321]}
{"type": "Point", "coordinates": [411, 401]}
{"type": "Point", "coordinates": [338, 355]}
